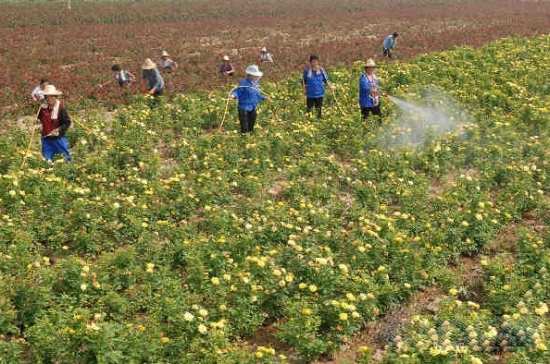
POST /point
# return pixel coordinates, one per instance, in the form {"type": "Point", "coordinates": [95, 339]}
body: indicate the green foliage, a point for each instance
{"type": "Point", "coordinates": [166, 242]}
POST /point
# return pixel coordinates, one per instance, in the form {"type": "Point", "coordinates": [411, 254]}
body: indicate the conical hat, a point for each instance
{"type": "Point", "coordinates": [370, 63]}
{"type": "Point", "coordinates": [148, 64]}
{"type": "Point", "coordinates": [50, 90]}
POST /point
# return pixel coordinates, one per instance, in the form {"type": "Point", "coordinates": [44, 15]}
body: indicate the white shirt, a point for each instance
{"type": "Point", "coordinates": [37, 93]}
{"type": "Point", "coordinates": [266, 57]}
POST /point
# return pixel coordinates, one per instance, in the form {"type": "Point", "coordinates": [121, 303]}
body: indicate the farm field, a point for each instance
{"type": "Point", "coordinates": [76, 48]}
{"type": "Point", "coordinates": [169, 241]}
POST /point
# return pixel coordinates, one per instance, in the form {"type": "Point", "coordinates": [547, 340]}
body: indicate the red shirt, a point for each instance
{"type": "Point", "coordinates": [45, 117]}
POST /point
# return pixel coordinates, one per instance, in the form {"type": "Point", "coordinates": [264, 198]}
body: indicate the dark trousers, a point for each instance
{"type": "Point", "coordinates": [247, 119]}
{"type": "Point", "coordinates": [316, 102]}
{"type": "Point", "coordinates": [375, 110]}
{"type": "Point", "coordinates": [387, 53]}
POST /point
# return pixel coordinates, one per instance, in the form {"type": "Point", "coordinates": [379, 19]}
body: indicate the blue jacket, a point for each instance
{"type": "Point", "coordinates": [365, 87]}
{"type": "Point", "coordinates": [248, 94]}
{"type": "Point", "coordinates": [154, 79]}
{"type": "Point", "coordinates": [389, 42]}
{"type": "Point", "coordinates": [315, 83]}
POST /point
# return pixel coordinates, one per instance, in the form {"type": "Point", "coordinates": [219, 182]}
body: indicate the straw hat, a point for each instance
{"type": "Point", "coordinates": [50, 90]}
{"type": "Point", "coordinates": [370, 63]}
{"type": "Point", "coordinates": [264, 49]}
{"type": "Point", "coordinates": [164, 54]}
{"type": "Point", "coordinates": [148, 64]}
{"type": "Point", "coordinates": [226, 58]}
{"type": "Point", "coordinates": [253, 70]}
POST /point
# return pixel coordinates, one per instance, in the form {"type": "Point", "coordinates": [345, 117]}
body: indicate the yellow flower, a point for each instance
{"type": "Point", "coordinates": [215, 281]}
{"type": "Point", "coordinates": [203, 329]}
{"type": "Point", "coordinates": [150, 268]}
{"type": "Point", "coordinates": [188, 316]}
{"type": "Point", "coordinates": [312, 288]}
{"type": "Point", "coordinates": [306, 311]}
{"type": "Point", "coordinates": [542, 309]}
{"type": "Point", "coordinates": [343, 316]}
{"type": "Point", "coordinates": [453, 291]}
{"type": "Point", "coordinates": [164, 340]}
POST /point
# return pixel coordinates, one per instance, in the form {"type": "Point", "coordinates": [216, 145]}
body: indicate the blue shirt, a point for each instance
{"type": "Point", "coordinates": [365, 88]}
{"type": "Point", "coordinates": [389, 42]}
{"type": "Point", "coordinates": [315, 82]}
{"type": "Point", "coordinates": [248, 94]}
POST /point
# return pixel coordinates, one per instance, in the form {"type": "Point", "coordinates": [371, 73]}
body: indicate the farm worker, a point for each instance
{"type": "Point", "coordinates": [167, 64]}
{"type": "Point", "coordinates": [314, 79]}
{"type": "Point", "coordinates": [226, 68]}
{"type": "Point", "coordinates": [38, 92]}
{"type": "Point", "coordinates": [249, 96]}
{"type": "Point", "coordinates": [265, 56]}
{"type": "Point", "coordinates": [389, 44]}
{"type": "Point", "coordinates": [369, 96]}
{"type": "Point", "coordinates": [152, 81]}
{"type": "Point", "coordinates": [55, 121]}
{"type": "Point", "coordinates": [122, 76]}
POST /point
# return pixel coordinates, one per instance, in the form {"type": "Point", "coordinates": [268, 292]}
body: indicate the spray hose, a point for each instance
{"type": "Point", "coordinates": [230, 96]}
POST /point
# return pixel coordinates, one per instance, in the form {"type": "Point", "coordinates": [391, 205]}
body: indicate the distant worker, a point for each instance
{"type": "Point", "coordinates": [226, 68]}
{"type": "Point", "coordinates": [167, 64]}
{"type": "Point", "coordinates": [55, 121]}
{"type": "Point", "coordinates": [389, 44]}
{"type": "Point", "coordinates": [38, 92]}
{"type": "Point", "coordinates": [152, 81]}
{"type": "Point", "coordinates": [122, 76]}
{"type": "Point", "coordinates": [369, 93]}
{"type": "Point", "coordinates": [249, 96]}
{"type": "Point", "coordinates": [265, 56]}
{"type": "Point", "coordinates": [315, 79]}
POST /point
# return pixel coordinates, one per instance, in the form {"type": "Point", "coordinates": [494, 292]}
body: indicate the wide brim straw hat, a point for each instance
{"type": "Point", "coordinates": [164, 54]}
{"type": "Point", "coordinates": [148, 64]}
{"type": "Point", "coordinates": [225, 58]}
{"type": "Point", "coordinates": [51, 90]}
{"type": "Point", "coordinates": [370, 63]}
{"type": "Point", "coordinates": [253, 70]}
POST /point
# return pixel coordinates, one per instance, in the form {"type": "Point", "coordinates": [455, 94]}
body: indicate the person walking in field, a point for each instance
{"type": "Point", "coordinates": [55, 122]}
{"type": "Point", "coordinates": [265, 56]}
{"type": "Point", "coordinates": [37, 93]}
{"type": "Point", "coordinates": [315, 79]}
{"type": "Point", "coordinates": [152, 81]}
{"type": "Point", "coordinates": [226, 68]}
{"type": "Point", "coordinates": [167, 64]}
{"type": "Point", "coordinates": [369, 93]}
{"type": "Point", "coordinates": [389, 44]}
{"type": "Point", "coordinates": [249, 96]}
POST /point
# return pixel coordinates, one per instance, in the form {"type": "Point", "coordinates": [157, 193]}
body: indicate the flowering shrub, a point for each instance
{"type": "Point", "coordinates": [166, 241]}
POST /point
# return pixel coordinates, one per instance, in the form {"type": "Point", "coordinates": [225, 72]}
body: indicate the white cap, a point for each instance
{"type": "Point", "coordinates": [253, 70]}
{"type": "Point", "coordinates": [226, 58]}
{"type": "Point", "coordinates": [264, 49]}
{"type": "Point", "coordinates": [164, 54]}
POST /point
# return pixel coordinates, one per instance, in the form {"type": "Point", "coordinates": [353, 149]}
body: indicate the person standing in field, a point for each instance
{"type": "Point", "coordinates": [37, 93]}
{"type": "Point", "coordinates": [249, 96]}
{"type": "Point", "coordinates": [369, 93]}
{"type": "Point", "coordinates": [389, 44]}
{"type": "Point", "coordinates": [226, 68]}
{"type": "Point", "coordinates": [265, 56]}
{"type": "Point", "coordinates": [167, 64]}
{"type": "Point", "coordinates": [152, 81]}
{"type": "Point", "coordinates": [55, 122]}
{"type": "Point", "coordinates": [315, 79]}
